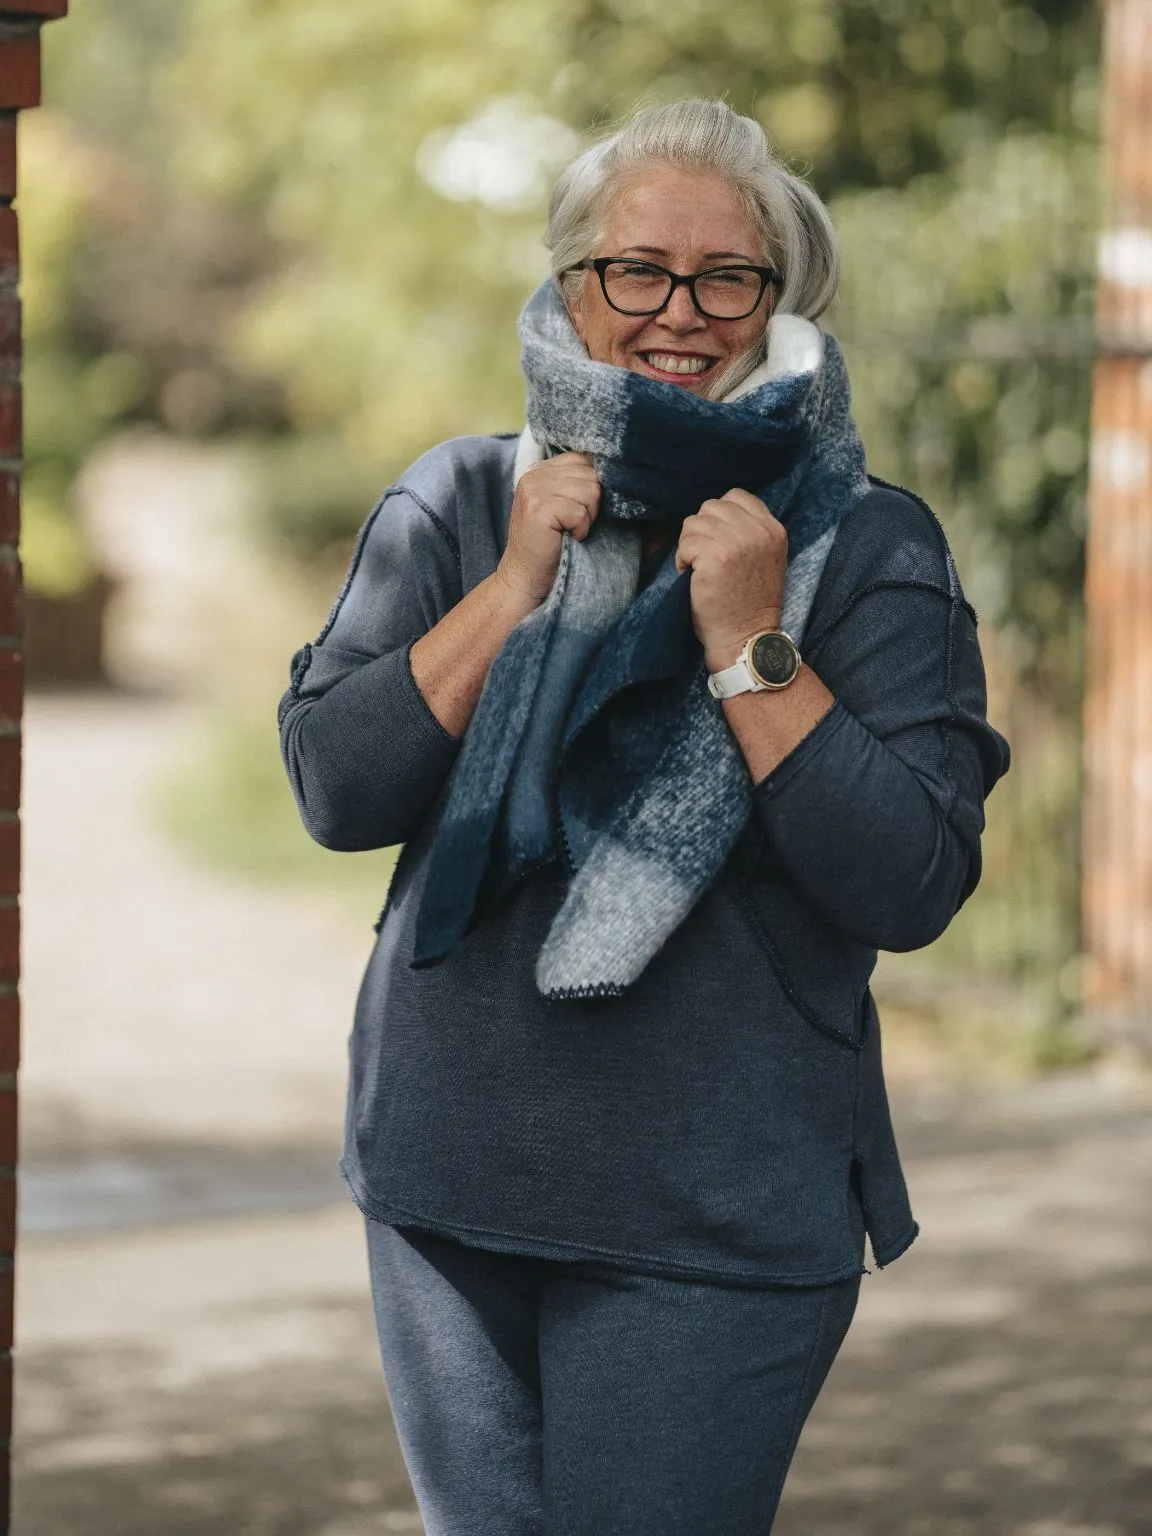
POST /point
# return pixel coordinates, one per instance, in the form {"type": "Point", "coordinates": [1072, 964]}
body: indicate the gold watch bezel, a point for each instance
{"type": "Point", "coordinates": [763, 682]}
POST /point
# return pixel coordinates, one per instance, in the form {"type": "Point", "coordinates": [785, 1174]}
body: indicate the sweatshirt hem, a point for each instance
{"type": "Point", "coordinates": [892, 1251]}
{"type": "Point", "coordinates": [587, 1253]}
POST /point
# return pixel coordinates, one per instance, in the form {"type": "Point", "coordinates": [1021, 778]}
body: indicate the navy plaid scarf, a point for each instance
{"type": "Point", "coordinates": [595, 740]}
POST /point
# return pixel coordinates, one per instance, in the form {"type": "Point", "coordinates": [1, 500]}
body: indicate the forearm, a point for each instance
{"type": "Point", "coordinates": [770, 724]}
{"type": "Point", "coordinates": [365, 756]}
{"type": "Point", "coordinates": [450, 662]}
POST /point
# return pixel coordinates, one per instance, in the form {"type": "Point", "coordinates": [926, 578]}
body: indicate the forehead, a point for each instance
{"type": "Point", "coordinates": [681, 213]}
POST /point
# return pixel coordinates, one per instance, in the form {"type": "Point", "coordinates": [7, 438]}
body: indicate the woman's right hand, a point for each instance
{"type": "Point", "coordinates": [558, 494]}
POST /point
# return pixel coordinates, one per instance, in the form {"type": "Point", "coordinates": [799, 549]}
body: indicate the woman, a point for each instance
{"type": "Point", "coordinates": [680, 717]}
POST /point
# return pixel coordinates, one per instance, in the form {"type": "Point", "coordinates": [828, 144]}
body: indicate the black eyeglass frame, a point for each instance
{"type": "Point", "coordinates": [600, 265]}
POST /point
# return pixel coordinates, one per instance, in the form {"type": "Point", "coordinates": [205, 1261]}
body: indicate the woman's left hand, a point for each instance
{"type": "Point", "coordinates": [738, 555]}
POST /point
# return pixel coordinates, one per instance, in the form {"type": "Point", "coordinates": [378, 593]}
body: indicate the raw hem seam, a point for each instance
{"type": "Point", "coordinates": [894, 1250]}
{"type": "Point", "coordinates": [393, 1215]}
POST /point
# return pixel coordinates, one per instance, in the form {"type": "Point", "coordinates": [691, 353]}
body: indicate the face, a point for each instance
{"type": "Point", "coordinates": [685, 221]}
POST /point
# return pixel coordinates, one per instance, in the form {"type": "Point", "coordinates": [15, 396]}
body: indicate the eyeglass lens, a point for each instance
{"type": "Point", "coordinates": [726, 294]}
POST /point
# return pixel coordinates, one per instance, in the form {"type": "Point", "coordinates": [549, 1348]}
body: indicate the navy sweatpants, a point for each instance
{"type": "Point", "coordinates": [535, 1397]}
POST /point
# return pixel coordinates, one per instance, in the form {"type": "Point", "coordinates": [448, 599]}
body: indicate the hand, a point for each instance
{"type": "Point", "coordinates": [558, 494]}
{"type": "Point", "coordinates": [738, 554]}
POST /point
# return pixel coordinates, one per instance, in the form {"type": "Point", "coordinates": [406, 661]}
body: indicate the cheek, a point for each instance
{"type": "Point", "coordinates": [608, 337]}
{"type": "Point", "coordinates": [746, 338]}
{"type": "Point", "coordinates": [624, 335]}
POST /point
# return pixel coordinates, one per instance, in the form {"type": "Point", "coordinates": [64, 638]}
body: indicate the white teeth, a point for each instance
{"type": "Point", "coordinates": [666, 363]}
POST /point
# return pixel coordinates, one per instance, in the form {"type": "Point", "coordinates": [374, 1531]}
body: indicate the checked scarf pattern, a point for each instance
{"type": "Point", "coordinates": [595, 741]}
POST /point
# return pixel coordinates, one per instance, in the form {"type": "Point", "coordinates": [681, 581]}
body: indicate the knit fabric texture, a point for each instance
{"type": "Point", "coordinates": [595, 740]}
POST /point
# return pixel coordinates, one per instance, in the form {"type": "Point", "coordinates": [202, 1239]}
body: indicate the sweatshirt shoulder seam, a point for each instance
{"type": "Point", "coordinates": [353, 567]}
{"type": "Point", "coordinates": [437, 521]}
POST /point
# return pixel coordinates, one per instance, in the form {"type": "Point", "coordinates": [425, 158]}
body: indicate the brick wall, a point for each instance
{"type": "Point", "coordinates": [20, 23]}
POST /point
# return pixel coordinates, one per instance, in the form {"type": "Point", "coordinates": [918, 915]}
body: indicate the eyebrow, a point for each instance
{"type": "Point", "coordinates": [658, 250]}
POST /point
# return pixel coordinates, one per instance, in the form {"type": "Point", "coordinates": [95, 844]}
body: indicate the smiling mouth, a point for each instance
{"type": "Point", "coordinates": [677, 366]}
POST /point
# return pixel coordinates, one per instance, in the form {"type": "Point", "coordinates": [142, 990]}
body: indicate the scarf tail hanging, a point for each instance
{"type": "Point", "coordinates": [647, 870]}
{"type": "Point", "coordinates": [788, 433]}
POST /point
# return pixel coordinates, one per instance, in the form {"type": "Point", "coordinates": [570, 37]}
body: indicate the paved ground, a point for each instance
{"type": "Point", "coordinates": [161, 1003]}
{"type": "Point", "coordinates": [220, 1376]}
{"type": "Point", "coordinates": [217, 1374]}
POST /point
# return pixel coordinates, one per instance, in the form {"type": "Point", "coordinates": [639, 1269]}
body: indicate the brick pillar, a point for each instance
{"type": "Point", "coordinates": [1118, 707]}
{"type": "Point", "coordinates": [20, 22]}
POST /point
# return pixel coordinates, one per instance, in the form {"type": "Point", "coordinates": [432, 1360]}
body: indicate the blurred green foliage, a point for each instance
{"type": "Point", "coordinates": [128, 281]}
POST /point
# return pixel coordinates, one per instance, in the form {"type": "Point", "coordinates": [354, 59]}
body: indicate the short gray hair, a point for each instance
{"type": "Point", "coordinates": [795, 229]}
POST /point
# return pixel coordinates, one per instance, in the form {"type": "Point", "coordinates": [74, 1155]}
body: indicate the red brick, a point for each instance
{"type": "Point", "coordinates": [5, 1407]}
{"type": "Point", "coordinates": [9, 1033]}
{"type": "Point", "coordinates": [9, 959]}
{"type": "Point", "coordinates": [7, 154]}
{"type": "Point", "coordinates": [10, 342]}
{"type": "Point", "coordinates": [11, 685]}
{"type": "Point", "coordinates": [6, 1308]}
{"type": "Point", "coordinates": [9, 244]}
{"type": "Point", "coordinates": [11, 419]}
{"type": "Point", "coordinates": [8, 1139]}
{"type": "Point", "coordinates": [20, 69]}
{"type": "Point", "coordinates": [9, 506]}
{"type": "Point", "coordinates": [9, 776]}
{"type": "Point", "coordinates": [49, 9]}
{"type": "Point", "coordinates": [11, 601]}
{"type": "Point", "coordinates": [9, 859]}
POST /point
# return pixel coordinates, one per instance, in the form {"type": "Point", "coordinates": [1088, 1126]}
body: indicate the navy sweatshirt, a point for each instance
{"type": "Point", "coordinates": [710, 1123]}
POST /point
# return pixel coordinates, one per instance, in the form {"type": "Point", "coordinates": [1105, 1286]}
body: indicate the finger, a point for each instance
{"type": "Point", "coordinates": [746, 499]}
{"type": "Point", "coordinates": [720, 510]}
{"type": "Point", "coordinates": [552, 473]}
{"type": "Point", "coordinates": [571, 514]}
{"type": "Point", "coordinates": [707, 535]}
{"type": "Point", "coordinates": [575, 481]}
{"type": "Point", "coordinates": [586, 498]}
{"type": "Point", "coordinates": [690, 546]}
{"type": "Point", "coordinates": [584, 487]}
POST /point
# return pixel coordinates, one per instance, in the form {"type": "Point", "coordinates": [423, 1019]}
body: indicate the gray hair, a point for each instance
{"type": "Point", "coordinates": [796, 232]}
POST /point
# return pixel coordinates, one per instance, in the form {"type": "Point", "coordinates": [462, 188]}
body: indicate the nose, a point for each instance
{"type": "Point", "coordinates": [681, 314]}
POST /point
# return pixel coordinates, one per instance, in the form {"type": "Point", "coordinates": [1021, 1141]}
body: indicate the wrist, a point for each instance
{"type": "Point", "coordinates": [515, 602]}
{"type": "Point", "coordinates": [725, 650]}
{"type": "Point", "coordinates": [769, 660]}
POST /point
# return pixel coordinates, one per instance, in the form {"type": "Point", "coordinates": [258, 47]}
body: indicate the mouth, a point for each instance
{"type": "Point", "coordinates": [677, 367]}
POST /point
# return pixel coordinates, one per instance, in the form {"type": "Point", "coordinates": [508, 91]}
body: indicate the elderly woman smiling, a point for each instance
{"type": "Point", "coordinates": [680, 717]}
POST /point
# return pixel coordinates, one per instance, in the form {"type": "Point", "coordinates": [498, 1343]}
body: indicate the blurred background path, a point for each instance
{"type": "Point", "coordinates": [195, 1344]}
{"type": "Point", "coordinates": [165, 1003]}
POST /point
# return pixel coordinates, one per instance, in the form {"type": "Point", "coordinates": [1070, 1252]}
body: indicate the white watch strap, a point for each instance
{"type": "Point", "coordinates": [732, 680]}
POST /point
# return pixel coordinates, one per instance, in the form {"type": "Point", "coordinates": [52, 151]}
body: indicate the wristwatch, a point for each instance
{"type": "Point", "coordinates": [769, 659]}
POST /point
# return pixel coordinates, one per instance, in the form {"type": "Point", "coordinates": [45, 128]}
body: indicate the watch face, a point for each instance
{"type": "Point", "coordinates": [774, 658]}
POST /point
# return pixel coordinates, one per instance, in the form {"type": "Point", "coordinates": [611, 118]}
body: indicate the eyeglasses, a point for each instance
{"type": "Point", "coordinates": [643, 288]}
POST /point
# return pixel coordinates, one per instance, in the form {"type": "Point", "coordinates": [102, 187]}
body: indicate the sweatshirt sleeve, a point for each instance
{"type": "Point", "coordinates": [877, 814]}
{"type": "Point", "coordinates": [365, 755]}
